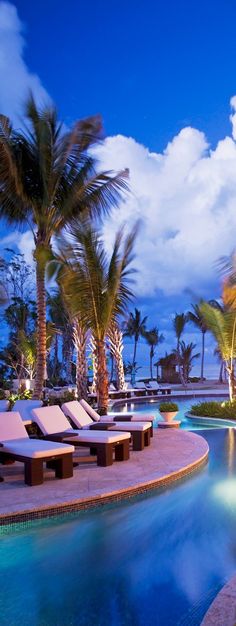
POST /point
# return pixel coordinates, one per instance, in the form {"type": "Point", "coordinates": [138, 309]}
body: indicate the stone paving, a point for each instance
{"type": "Point", "coordinates": [222, 611]}
{"type": "Point", "coordinates": [170, 453]}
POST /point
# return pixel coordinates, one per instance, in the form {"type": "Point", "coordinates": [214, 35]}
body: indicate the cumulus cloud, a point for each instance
{"type": "Point", "coordinates": [186, 198]}
{"type": "Point", "coordinates": [15, 77]}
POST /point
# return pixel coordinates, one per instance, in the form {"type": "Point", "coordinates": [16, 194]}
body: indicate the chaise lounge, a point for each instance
{"type": "Point", "coordinates": [17, 446]}
{"type": "Point", "coordinates": [117, 417]}
{"type": "Point", "coordinates": [55, 426]}
{"type": "Point", "coordinates": [140, 432]}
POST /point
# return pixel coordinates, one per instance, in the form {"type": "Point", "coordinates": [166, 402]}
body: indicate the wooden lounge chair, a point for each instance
{"type": "Point", "coordinates": [17, 446]}
{"type": "Point", "coordinates": [117, 417]}
{"type": "Point", "coordinates": [55, 426]}
{"type": "Point", "coordinates": [140, 432]}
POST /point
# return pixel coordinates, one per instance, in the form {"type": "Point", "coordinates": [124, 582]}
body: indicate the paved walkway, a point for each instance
{"type": "Point", "coordinates": [170, 455]}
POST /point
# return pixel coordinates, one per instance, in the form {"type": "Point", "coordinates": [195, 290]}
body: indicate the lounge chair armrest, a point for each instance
{"type": "Point", "coordinates": [58, 436]}
{"type": "Point", "coordinates": [102, 426]}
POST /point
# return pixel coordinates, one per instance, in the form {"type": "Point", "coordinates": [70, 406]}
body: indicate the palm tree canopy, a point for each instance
{"type": "Point", "coordinates": [135, 325]}
{"type": "Point", "coordinates": [195, 316]}
{"type": "Point", "coordinates": [222, 324]}
{"type": "Point", "coordinates": [186, 352]}
{"type": "Point", "coordinates": [48, 175]}
{"type": "Point", "coordinates": [179, 322]}
{"type": "Point", "coordinates": [154, 337]}
{"type": "Point", "coordinates": [95, 287]}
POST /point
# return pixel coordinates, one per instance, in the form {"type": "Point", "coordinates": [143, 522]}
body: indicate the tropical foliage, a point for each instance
{"type": "Point", "coordinates": [47, 178]}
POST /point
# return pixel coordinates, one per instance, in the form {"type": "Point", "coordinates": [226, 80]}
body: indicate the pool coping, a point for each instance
{"type": "Point", "coordinates": [104, 498]}
{"type": "Point", "coordinates": [222, 611]}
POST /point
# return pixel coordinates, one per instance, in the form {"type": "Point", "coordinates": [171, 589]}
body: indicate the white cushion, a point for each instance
{"type": "Point", "coordinates": [50, 419]}
{"type": "Point", "coordinates": [4, 405]}
{"type": "Point", "coordinates": [24, 407]}
{"type": "Point", "coordinates": [89, 409]}
{"type": "Point", "coordinates": [140, 385]}
{"type": "Point", "coordinates": [101, 436]}
{"type": "Point", "coordinates": [11, 426]}
{"type": "Point", "coordinates": [36, 448]}
{"type": "Point", "coordinates": [153, 384]}
{"type": "Point", "coordinates": [133, 417]}
{"type": "Point", "coordinates": [77, 413]}
{"type": "Point", "coordinates": [132, 427]}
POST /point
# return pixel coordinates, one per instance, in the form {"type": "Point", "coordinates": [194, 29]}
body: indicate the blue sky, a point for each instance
{"type": "Point", "coordinates": [162, 74]}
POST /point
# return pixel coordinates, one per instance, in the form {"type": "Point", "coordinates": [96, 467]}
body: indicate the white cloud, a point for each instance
{"type": "Point", "coordinates": [15, 78]}
{"type": "Point", "coordinates": [186, 198]}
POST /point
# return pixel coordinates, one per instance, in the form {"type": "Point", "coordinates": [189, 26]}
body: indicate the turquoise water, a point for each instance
{"type": "Point", "coordinates": [151, 407]}
{"type": "Point", "coordinates": [157, 560]}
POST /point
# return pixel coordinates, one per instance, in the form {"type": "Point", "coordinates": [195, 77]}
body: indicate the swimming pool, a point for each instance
{"type": "Point", "coordinates": [157, 560]}
{"type": "Point", "coordinates": [151, 407]}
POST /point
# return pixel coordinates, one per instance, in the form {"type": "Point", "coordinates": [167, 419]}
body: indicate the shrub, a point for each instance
{"type": "Point", "coordinates": [223, 410]}
{"type": "Point", "coordinates": [165, 407]}
{"type": "Point", "coordinates": [67, 397]}
{"type": "Point", "coordinates": [2, 394]}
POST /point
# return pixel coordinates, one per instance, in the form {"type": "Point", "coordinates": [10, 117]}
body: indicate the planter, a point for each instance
{"type": "Point", "coordinates": [168, 416]}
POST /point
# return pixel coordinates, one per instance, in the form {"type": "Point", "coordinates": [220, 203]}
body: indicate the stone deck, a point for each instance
{"type": "Point", "coordinates": [171, 455]}
{"type": "Point", "coordinates": [222, 611]}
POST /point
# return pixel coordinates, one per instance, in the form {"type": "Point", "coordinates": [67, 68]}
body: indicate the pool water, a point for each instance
{"type": "Point", "coordinates": [184, 404]}
{"type": "Point", "coordinates": [155, 560]}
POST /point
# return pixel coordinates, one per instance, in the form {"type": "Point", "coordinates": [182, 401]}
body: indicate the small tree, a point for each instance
{"type": "Point", "coordinates": [153, 338]}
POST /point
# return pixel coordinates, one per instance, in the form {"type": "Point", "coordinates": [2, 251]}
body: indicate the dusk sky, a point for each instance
{"type": "Point", "coordinates": [162, 74]}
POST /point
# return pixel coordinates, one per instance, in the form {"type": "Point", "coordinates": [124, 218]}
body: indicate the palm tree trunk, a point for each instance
{"type": "Point", "coordinates": [135, 350]}
{"type": "Point", "coordinates": [203, 355]}
{"type": "Point", "coordinates": [79, 338]}
{"type": "Point", "coordinates": [116, 347]}
{"type": "Point", "coordinates": [95, 364]}
{"type": "Point", "coordinates": [231, 383]}
{"type": "Point", "coordinates": [151, 372]}
{"type": "Point", "coordinates": [221, 372]}
{"type": "Point", "coordinates": [41, 330]}
{"type": "Point", "coordinates": [102, 382]}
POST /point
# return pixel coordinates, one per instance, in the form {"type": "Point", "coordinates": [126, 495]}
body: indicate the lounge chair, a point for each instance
{"type": "Point", "coordinates": [56, 427]}
{"type": "Point", "coordinates": [17, 446]}
{"type": "Point", "coordinates": [140, 432]}
{"type": "Point", "coordinates": [117, 417]}
{"type": "Point", "coordinates": [140, 389]}
{"type": "Point", "coordinates": [24, 407]}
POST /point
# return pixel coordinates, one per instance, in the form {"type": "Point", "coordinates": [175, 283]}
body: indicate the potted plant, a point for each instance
{"type": "Point", "coordinates": [168, 410]}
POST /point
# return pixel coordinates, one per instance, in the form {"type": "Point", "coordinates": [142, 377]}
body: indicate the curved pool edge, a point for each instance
{"type": "Point", "coordinates": [222, 611]}
{"type": "Point", "coordinates": [211, 421]}
{"type": "Point", "coordinates": [126, 492]}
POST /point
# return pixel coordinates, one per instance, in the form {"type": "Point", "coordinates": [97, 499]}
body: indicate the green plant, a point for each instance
{"type": "Point", "coordinates": [168, 407]}
{"type": "Point", "coordinates": [223, 410]}
{"type": "Point", "coordinates": [68, 396]}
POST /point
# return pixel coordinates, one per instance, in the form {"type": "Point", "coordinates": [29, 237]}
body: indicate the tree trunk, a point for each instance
{"type": "Point", "coordinates": [116, 347]}
{"type": "Point", "coordinates": [221, 372]}
{"type": "Point", "coordinates": [67, 351]}
{"type": "Point", "coordinates": [135, 350]}
{"type": "Point", "coordinates": [41, 330]}
{"type": "Point", "coordinates": [102, 382]}
{"type": "Point", "coordinates": [79, 338]}
{"type": "Point", "coordinates": [95, 364]}
{"type": "Point", "coordinates": [203, 354]}
{"type": "Point", "coordinates": [231, 381]}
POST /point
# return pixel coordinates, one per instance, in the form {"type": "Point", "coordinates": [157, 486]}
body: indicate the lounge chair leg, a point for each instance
{"type": "Point", "coordinates": [34, 472]}
{"type": "Point", "coordinates": [138, 441]}
{"type": "Point", "coordinates": [122, 451]}
{"type": "Point", "coordinates": [147, 436]}
{"type": "Point", "coordinates": [64, 466]}
{"type": "Point", "coordinates": [105, 454]}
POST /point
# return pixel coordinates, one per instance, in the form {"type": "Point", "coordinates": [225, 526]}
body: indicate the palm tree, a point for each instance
{"type": "Point", "coordinates": [135, 327]}
{"type": "Point", "coordinates": [222, 325]}
{"type": "Point", "coordinates": [197, 319]}
{"type": "Point", "coordinates": [153, 338]}
{"type": "Point", "coordinates": [179, 323]}
{"type": "Point", "coordinates": [186, 358]}
{"type": "Point", "coordinates": [47, 177]}
{"type": "Point", "coordinates": [97, 287]}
